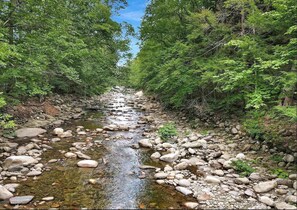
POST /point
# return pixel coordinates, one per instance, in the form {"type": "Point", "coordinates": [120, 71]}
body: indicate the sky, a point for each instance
{"type": "Point", "coordinates": [133, 14]}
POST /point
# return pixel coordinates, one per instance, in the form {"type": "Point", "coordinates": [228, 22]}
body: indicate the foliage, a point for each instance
{"type": "Point", "coordinates": [242, 167]}
{"type": "Point", "coordinates": [280, 173]}
{"type": "Point", "coordinates": [167, 131]}
{"type": "Point", "coordinates": [5, 119]}
{"type": "Point", "coordinates": [276, 158]}
{"type": "Point", "coordinates": [286, 111]}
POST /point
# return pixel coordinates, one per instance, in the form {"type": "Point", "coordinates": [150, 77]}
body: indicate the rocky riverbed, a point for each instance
{"type": "Point", "coordinates": [113, 157]}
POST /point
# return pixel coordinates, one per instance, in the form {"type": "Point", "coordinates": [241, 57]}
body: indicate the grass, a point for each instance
{"type": "Point", "coordinates": [276, 158]}
{"type": "Point", "coordinates": [167, 131]}
{"type": "Point", "coordinates": [243, 168]}
{"type": "Point", "coordinates": [280, 173]}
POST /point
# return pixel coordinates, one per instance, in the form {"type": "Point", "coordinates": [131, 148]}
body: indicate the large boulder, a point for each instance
{"type": "Point", "coordinates": [170, 157]}
{"type": "Point", "coordinates": [15, 161]}
{"type": "Point", "coordinates": [29, 132]}
{"type": "Point", "coordinates": [263, 187]}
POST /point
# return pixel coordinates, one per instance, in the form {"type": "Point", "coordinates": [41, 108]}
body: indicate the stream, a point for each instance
{"type": "Point", "coordinates": [118, 182]}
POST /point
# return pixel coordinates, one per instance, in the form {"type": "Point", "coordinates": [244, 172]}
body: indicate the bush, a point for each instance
{"type": "Point", "coordinates": [242, 167]}
{"type": "Point", "coordinates": [280, 173]}
{"type": "Point", "coordinates": [5, 119]}
{"type": "Point", "coordinates": [167, 131]}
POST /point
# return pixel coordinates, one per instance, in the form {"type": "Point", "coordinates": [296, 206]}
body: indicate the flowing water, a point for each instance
{"type": "Point", "coordinates": [120, 181]}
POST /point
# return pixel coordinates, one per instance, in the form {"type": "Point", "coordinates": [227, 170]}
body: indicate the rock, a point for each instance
{"type": "Point", "coordinates": [288, 158]}
{"type": "Point", "coordinates": [70, 155]}
{"type": "Point", "coordinates": [240, 156]}
{"type": "Point", "coordinates": [21, 200]}
{"type": "Point", "coordinates": [11, 187]}
{"type": "Point", "coordinates": [58, 131]}
{"type": "Point", "coordinates": [212, 179]}
{"type": "Point", "coordinates": [29, 132]}
{"type": "Point", "coordinates": [203, 197]}
{"type": "Point", "coordinates": [242, 180]}
{"type": "Point", "coordinates": [234, 131]}
{"type": "Point", "coordinates": [145, 143]}
{"type": "Point", "coordinates": [219, 172]}
{"type": "Point", "coordinates": [160, 175]}
{"type": "Point", "coordinates": [266, 200]}
{"type": "Point", "coordinates": [21, 150]}
{"type": "Point", "coordinates": [160, 181]}
{"type": "Point", "coordinates": [93, 181]}
{"type": "Point", "coordinates": [14, 161]}
{"type": "Point", "coordinates": [184, 190]}
{"type": "Point", "coordinates": [181, 166]}
{"type": "Point", "coordinates": [250, 193]}
{"type": "Point", "coordinates": [255, 176]}
{"type": "Point", "coordinates": [87, 164]}
{"type": "Point", "coordinates": [195, 144]}
{"type": "Point", "coordinates": [48, 198]}
{"type": "Point", "coordinates": [286, 182]}
{"type": "Point", "coordinates": [156, 155]}
{"type": "Point", "coordinates": [34, 173]}
{"type": "Point", "coordinates": [184, 182]}
{"type": "Point", "coordinates": [82, 156]}
{"type": "Point", "coordinates": [227, 164]}
{"type": "Point", "coordinates": [191, 205]}
{"type": "Point", "coordinates": [295, 185]}
{"type": "Point", "coordinates": [170, 157]}
{"type": "Point", "coordinates": [66, 134]}
{"type": "Point", "coordinates": [265, 186]}
{"type": "Point", "coordinates": [291, 199]}
{"type": "Point", "coordinates": [293, 176]}
{"type": "Point", "coordinates": [4, 193]}
{"type": "Point", "coordinates": [139, 94]}
{"type": "Point", "coordinates": [284, 205]}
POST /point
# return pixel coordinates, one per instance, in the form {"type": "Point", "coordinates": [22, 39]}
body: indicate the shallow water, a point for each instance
{"type": "Point", "coordinates": [118, 183]}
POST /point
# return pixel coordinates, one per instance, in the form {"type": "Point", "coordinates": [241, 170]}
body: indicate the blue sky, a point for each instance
{"type": "Point", "coordinates": [132, 14]}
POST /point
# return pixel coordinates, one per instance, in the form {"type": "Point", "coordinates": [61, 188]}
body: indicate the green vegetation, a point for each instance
{"type": "Point", "coordinates": [242, 167]}
{"type": "Point", "coordinates": [276, 158]}
{"type": "Point", "coordinates": [5, 119]}
{"type": "Point", "coordinates": [280, 173]}
{"type": "Point", "coordinates": [59, 46]}
{"type": "Point", "coordinates": [167, 131]}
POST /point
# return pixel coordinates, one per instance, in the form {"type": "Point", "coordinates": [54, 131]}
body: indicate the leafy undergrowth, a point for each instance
{"type": "Point", "coordinates": [242, 167]}
{"type": "Point", "coordinates": [167, 131]}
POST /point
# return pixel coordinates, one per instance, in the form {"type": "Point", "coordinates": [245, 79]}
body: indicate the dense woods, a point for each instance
{"type": "Point", "coordinates": [222, 54]}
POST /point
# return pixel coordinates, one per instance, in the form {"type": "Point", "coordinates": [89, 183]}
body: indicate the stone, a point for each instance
{"type": "Point", "coordinates": [29, 132]}
{"type": "Point", "coordinates": [21, 150]}
{"type": "Point", "coordinates": [184, 190]}
{"type": "Point", "coordinates": [58, 131]}
{"type": "Point", "coordinates": [195, 144]}
{"type": "Point", "coordinates": [191, 205]}
{"type": "Point", "coordinates": [82, 156]}
{"type": "Point", "coordinates": [70, 155]}
{"type": "Point", "coordinates": [145, 143]}
{"type": "Point", "coordinates": [203, 197]}
{"type": "Point", "coordinates": [4, 193]}
{"type": "Point", "coordinates": [34, 173]}
{"type": "Point", "coordinates": [139, 94]}
{"type": "Point", "coordinates": [11, 187]}
{"type": "Point", "coordinates": [255, 176]}
{"type": "Point", "coordinates": [284, 205]}
{"type": "Point", "coordinates": [156, 155]}
{"type": "Point", "coordinates": [293, 176]}
{"type": "Point", "coordinates": [14, 161]}
{"type": "Point", "coordinates": [170, 157]}
{"type": "Point", "coordinates": [250, 193]}
{"type": "Point", "coordinates": [291, 199]}
{"type": "Point", "coordinates": [240, 156]}
{"type": "Point", "coordinates": [50, 198]}
{"type": "Point", "coordinates": [21, 200]}
{"type": "Point", "coordinates": [288, 158]}
{"type": "Point", "coordinates": [263, 187]}
{"type": "Point", "coordinates": [242, 180]}
{"type": "Point", "coordinates": [212, 179]}
{"type": "Point", "coordinates": [181, 166]}
{"type": "Point", "coordinates": [93, 181]}
{"type": "Point", "coordinates": [184, 182]}
{"type": "Point", "coordinates": [295, 185]}
{"type": "Point", "coordinates": [66, 134]}
{"type": "Point", "coordinates": [266, 200]}
{"type": "Point", "coordinates": [219, 172]}
{"type": "Point", "coordinates": [234, 131]}
{"type": "Point", "coordinates": [161, 175]}
{"type": "Point", "coordinates": [87, 164]}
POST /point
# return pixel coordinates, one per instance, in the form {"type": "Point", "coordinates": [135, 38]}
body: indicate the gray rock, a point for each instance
{"type": "Point", "coordinates": [212, 179]}
{"type": "Point", "coordinates": [191, 205]}
{"type": "Point", "coordinates": [156, 155]}
{"type": "Point", "coordinates": [29, 132]}
{"type": "Point", "coordinates": [21, 200]}
{"type": "Point", "coordinates": [11, 187]}
{"type": "Point", "coordinates": [145, 143]}
{"type": "Point", "coordinates": [284, 205]}
{"type": "Point", "coordinates": [195, 144]}
{"type": "Point", "coordinates": [266, 200]}
{"type": "Point", "coordinates": [250, 193]}
{"type": "Point", "coordinates": [170, 157]}
{"type": "Point", "coordinates": [34, 173]}
{"type": "Point", "coordinates": [82, 156]}
{"type": "Point", "coordinates": [265, 186]}
{"type": "Point", "coordinates": [242, 180]}
{"type": "Point", "coordinates": [70, 155]}
{"type": "Point", "coordinates": [291, 199]}
{"type": "Point", "coordinates": [234, 131]}
{"type": "Point", "coordinates": [66, 134]}
{"type": "Point", "coordinates": [160, 175]}
{"type": "Point", "coordinates": [4, 193]}
{"type": "Point", "coordinates": [288, 158]}
{"type": "Point", "coordinates": [13, 161]}
{"type": "Point", "coordinates": [255, 176]}
{"type": "Point", "coordinates": [184, 182]}
{"type": "Point", "coordinates": [184, 190]}
{"type": "Point", "coordinates": [293, 176]}
{"type": "Point", "coordinates": [58, 131]}
{"type": "Point", "coordinates": [219, 172]}
{"type": "Point", "coordinates": [181, 166]}
{"type": "Point", "coordinates": [295, 185]}
{"type": "Point", "coordinates": [21, 150]}
{"type": "Point", "coordinates": [240, 156]}
{"type": "Point", "coordinates": [87, 164]}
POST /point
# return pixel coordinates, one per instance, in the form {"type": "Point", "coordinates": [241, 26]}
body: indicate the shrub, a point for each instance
{"type": "Point", "coordinates": [5, 119]}
{"type": "Point", "coordinates": [242, 167]}
{"type": "Point", "coordinates": [276, 158]}
{"type": "Point", "coordinates": [167, 131]}
{"type": "Point", "coordinates": [280, 173]}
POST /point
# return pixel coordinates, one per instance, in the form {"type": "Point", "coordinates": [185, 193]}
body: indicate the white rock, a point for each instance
{"type": "Point", "coordinates": [170, 157]}
{"type": "Point", "coordinates": [87, 164]}
{"type": "Point", "coordinates": [212, 179]}
{"type": "Point", "coordinates": [17, 200]}
{"type": "Point", "coordinates": [4, 193]}
{"type": "Point", "coordinates": [70, 155]}
{"type": "Point", "coordinates": [160, 175]}
{"type": "Point", "coordinates": [265, 186]}
{"type": "Point", "coordinates": [240, 156]}
{"type": "Point", "coordinates": [145, 143]}
{"type": "Point", "coordinates": [191, 205]}
{"type": "Point", "coordinates": [266, 200]}
{"type": "Point", "coordinates": [160, 181]}
{"type": "Point", "coordinates": [181, 166]}
{"type": "Point", "coordinates": [295, 185]}
{"type": "Point", "coordinates": [195, 144]}
{"type": "Point", "coordinates": [288, 158]}
{"type": "Point", "coordinates": [242, 180]}
{"type": "Point", "coordinates": [291, 199]}
{"type": "Point", "coordinates": [156, 155]}
{"type": "Point", "coordinates": [168, 168]}
{"type": "Point", "coordinates": [48, 198]}
{"type": "Point", "coordinates": [29, 132]}
{"type": "Point", "coordinates": [234, 131]}
{"type": "Point", "coordinates": [139, 94]}
{"type": "Point", "coordinates": [184, 182]}
{"type": "Point", "coordinates": [219, 172]}
{"type": "Point", "coordinates": [58, 131]}
{"type": "Point", "coordinates": [284, 205]}
{"type": "Point", "coordinates": [34, 173]}
{"type": "Point", "coordinates": [191, 151]}
{"type": "Point", "coordinates": [293, 176]}
{"type": "Point", "coordinates": [82, 156]}
{"type": "Point", "coordinates": [21, 160]}
{"type": "Point", "coordinates": [184, 190]}
{"type": "Point", "coordinates": [66, 134]}
{"type": "Point", "coordinates": [11, 187]}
